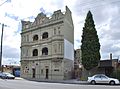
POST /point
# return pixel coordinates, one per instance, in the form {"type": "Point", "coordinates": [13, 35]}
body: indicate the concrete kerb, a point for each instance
{"type": "Point", "coordinates": [61, 81]}
{"type": "Point", "coordinates": [72, 81]}
{"type": "Point", "coordinates": [18, 78]}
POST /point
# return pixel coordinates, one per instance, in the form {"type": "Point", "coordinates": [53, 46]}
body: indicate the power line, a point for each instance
{"type": "Point", "coordinates": [94, 5]}
{"type": "Point", "coordinates": [99, 2]}
{"type": "Point", "coordinates": [88, 2]}
{"type": "Point", "coordinates": [5, 2]}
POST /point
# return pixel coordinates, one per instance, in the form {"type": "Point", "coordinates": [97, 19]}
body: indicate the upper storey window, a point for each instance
{"type": "Point", "coordinates": [35, 37]}
{"type": "Point", "coordinates": [35, 52]}
{"type": "Point", "coordinates": [45, 51]}
{"type": "Point", "coordinates": [45, 35]}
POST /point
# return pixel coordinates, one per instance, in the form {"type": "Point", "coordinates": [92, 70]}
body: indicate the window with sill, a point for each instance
{"type": "Point", "coordinates": [35, 37]}
{"type": "Point", "coordinates": [35, 52]}
{"type": "Point", "coordinates": [45, 35]}
{"type": "Point", "coordinates": [45, 51]}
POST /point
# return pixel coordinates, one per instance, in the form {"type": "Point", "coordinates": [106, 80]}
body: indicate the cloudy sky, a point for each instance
{"type": "Point", "coordinates": [106, 15]}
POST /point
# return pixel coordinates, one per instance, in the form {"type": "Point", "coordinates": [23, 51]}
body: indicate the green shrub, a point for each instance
{"type": "Point", "coordinates": [83, 78]}
{"type": "Point", "coordinates": [116, 74]}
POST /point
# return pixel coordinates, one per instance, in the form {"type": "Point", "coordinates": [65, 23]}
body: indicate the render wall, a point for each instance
{"type": "Point", "coordinates": [60, 43]}
{"type": "Point", "coordinates": [55, 70]}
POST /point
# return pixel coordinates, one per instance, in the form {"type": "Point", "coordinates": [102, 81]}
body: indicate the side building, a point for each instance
{"type": "Point", "coordinates": [47, 46]}
{"type": "Point", "coordinates": [77, 64]}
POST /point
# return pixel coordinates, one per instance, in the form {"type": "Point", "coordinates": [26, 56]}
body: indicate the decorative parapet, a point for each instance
{"type": "Point", "coordinates": [41, 19]}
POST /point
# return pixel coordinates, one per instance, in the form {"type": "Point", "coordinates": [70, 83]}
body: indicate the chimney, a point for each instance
{"type": "Point", "coordinates": [110, 56]}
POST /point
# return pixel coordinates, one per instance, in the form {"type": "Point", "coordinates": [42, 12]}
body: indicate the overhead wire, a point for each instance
{"type": "Point", "coordinates": [98, 3]}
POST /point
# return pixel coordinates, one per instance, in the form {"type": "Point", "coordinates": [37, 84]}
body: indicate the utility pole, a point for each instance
{"type": "Point", "coordinates": [1, 67]}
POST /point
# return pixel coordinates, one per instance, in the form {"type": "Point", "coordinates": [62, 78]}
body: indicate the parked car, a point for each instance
{"type": "Point", "coordinates": [7, 76]}
{"type": "Point", "coordinates": [101, 78]}
{"type": "Point", "coordinates": [0, 74]}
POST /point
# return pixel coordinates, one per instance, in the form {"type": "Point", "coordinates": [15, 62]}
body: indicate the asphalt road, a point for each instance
{"type": "Point", "coordinates": [25, 84]}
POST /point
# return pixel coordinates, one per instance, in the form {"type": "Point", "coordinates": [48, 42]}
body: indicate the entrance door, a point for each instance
{"type": "Point", "coordinates": [46, 73]}
{"type": "Point", "coordinates": [33, 71]}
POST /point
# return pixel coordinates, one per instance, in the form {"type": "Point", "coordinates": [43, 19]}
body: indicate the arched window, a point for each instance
{"type": "Point", "coordinates": [45, 51]}
{"type": "Point", "coordinates": [45, 35]}
{"type": "Point", "coordinates": [35, 37]}
{"type": "Point", "coordinates": [35, 52]}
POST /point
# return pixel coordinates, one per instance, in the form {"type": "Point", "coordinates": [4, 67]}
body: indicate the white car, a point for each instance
{"type": "Point", "coordinates": [101, 78]}
{"type": "Point", "coordinates": [7, 76]}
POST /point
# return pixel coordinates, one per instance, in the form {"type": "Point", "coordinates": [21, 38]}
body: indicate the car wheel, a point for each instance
{"type": "Point", "coordinates": [112, 83]}
{"type": "Point", "coordinates": [93, 82]}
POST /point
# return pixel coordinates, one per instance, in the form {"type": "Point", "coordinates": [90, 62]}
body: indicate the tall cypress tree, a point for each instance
{"type": "Point", "coordinates": [90, 44]}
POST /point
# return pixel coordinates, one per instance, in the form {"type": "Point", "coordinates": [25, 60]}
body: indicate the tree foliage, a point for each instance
{"type": "Point", "coordinates": [90, 44]}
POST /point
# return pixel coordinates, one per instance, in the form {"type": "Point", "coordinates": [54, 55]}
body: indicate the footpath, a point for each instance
{"type": "Point", "coordinates": [72, 81]}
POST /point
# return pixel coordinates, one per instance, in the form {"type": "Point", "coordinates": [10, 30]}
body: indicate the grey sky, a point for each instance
{"type": "Point", "coordinates": [106, 15]}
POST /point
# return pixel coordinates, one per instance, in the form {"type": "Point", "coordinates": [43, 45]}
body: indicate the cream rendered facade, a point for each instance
{"type": "Point", "coordinates": [47, 47]}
